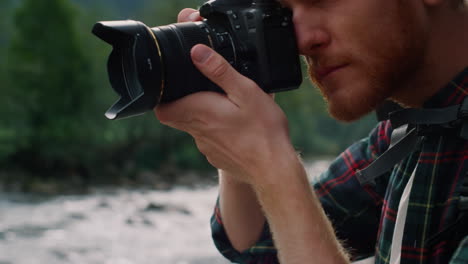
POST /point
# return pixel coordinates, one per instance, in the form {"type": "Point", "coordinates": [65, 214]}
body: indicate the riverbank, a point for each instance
{"type": "Point", "coordinates": [72, 182]}
{"type": "Point", "coordinates": [24, 181]}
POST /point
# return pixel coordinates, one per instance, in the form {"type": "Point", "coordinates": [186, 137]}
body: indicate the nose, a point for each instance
{"type": "Point", "coordinates": [311, 32]}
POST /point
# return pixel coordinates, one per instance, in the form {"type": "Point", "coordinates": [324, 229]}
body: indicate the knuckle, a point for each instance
{"type": "Point", "coordinates": [220, 69]}
{"type": "Point", "coordinates": [250, 92]}
{"type": "Point", "coordinates": [253, 86]}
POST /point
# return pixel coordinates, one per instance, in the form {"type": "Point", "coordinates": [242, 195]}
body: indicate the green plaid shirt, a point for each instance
{"type": "Point", "coordinates": [364, 216]}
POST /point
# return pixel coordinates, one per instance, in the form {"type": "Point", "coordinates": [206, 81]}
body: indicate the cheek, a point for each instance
{"type": "Point", "coordinates": [388, 50]}
{"type": "Point", "coordinates": [382, 50]}
{"type": "Point", "coordinates": [368, 29]}
{"type": "Point", "coordinates": [354, 101]}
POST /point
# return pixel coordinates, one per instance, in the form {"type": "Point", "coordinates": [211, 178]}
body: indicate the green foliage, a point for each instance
{"type": "Point", "coordinates": [165, 12]}
{"type": "Point", "coordinates": [50, 88]}
{"type": "Point", "coordinates": [5, 28]}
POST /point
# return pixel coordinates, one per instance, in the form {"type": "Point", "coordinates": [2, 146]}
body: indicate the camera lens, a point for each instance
{"type": "Point", "coordinates": [149, 66]}
{"type": "Point", "coordinates": [152, 65]}
{"type": "Point", "coordinates": [176, 42]}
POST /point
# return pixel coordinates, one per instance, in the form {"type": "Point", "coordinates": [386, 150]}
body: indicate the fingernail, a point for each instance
{"type": "Point", "coordinates": [194, 16]}
{"type": "Point", "coordinates": [201, 53]}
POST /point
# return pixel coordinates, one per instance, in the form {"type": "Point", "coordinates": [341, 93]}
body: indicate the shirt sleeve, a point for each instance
{"type": "Point", "coordinates": [263, 252]}
{"type": "Point", "coordinates": [351, 207]}
{"type": "Point", "coordinates": [461, 254]}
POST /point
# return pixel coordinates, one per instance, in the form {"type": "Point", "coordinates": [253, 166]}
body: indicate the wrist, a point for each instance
{"type": "Point", "coordinates": [231, 178]}
{"type": "Point", "coordinates": [297, 218]}
{"type": "Point", "coordinates": [287, 179]}
{"type": "Point", "coordinates": [279, 167]}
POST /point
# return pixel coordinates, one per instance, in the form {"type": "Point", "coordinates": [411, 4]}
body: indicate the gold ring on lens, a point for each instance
{"type": "Point", "coordinates": [163, 75]}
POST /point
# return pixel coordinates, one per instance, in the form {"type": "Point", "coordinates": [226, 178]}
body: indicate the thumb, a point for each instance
{"type": "Point", "coordinates": [218, 70]}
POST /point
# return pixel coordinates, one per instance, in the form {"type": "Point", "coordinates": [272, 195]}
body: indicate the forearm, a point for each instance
{"type": "Point", "coordinates": [246, 131]}
{"type": "Point", "coordinates": [301, 230]}
{"type": "Point", "coordinates": [242, 216]}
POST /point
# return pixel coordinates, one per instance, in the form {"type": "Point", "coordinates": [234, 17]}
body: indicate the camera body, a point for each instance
{"type": "Point", "coordinates": [263, 35]}
{"type": "Point", "coordinates": [149, 66]}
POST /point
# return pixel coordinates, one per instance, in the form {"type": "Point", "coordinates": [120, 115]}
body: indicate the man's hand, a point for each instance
{"type": "Point", "coordinates": [245, 134]}
{"type": "Point", "coordinates": [243, 131]}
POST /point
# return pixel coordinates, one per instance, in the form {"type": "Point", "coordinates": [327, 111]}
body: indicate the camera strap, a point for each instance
{"type": "Point", "coordinates": [411, 126]}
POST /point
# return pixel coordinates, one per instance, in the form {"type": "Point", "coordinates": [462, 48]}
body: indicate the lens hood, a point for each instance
{"type": "Point", "coordinates": [134, 66]}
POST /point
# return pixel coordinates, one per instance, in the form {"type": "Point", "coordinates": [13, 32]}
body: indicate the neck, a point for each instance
{"type": "Point", "coordinates": [447, 55]}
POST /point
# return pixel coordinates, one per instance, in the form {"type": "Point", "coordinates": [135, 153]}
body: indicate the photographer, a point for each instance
{"type": "Point", "coordinates": [361, 52]}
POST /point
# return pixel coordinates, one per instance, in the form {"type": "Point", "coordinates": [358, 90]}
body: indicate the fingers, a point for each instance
{"type": "Point", "coordinates": [178, 112]}
{"type": "Point", "coordinates": [194, 111]}
{"type": "Point", "coordinates": [188, 15]}
{"type": "Point", "coordinates": [237, 87]}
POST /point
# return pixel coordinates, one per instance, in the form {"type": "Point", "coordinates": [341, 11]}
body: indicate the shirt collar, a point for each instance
{"type": "Point", "coordinates": [453, 93]}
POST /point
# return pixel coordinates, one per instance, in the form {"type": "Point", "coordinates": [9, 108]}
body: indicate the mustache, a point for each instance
{"type": "Point", "coordinates": [320, 65]}
{"type": "Point", "coordinates": [316, 62]}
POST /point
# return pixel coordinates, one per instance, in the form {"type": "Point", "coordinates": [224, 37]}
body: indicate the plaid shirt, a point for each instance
{"type": "Point", "coordinates": [364, 216]}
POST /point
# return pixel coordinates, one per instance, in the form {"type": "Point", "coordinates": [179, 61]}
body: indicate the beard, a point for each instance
{"type": "Point", "coordinates": [384, 65]}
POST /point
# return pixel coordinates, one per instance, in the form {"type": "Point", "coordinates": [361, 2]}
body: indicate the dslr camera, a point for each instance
{"type": "Point", "coordinates": [149, 66]}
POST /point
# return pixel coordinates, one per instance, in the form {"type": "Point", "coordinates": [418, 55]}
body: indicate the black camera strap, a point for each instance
{"type": "Point", "coordinates": [411, 126]}
{"type": "Point", "coordinates": [403, 142]}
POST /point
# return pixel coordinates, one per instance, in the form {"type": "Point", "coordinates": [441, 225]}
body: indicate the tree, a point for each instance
{"type": "Point", "coordinates": [6, 133]}
{"type": "Point", "coordinates": [50, 85]}
{"type": "Point", "coordinates": [5, 9]}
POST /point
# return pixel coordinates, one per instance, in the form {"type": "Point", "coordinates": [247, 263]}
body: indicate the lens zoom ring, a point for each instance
{"type": "Point", "coordinates": [193, 35]}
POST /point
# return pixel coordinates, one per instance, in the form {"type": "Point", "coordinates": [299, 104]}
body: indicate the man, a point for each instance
{"type": "Point", "coordinates": [360, 52]}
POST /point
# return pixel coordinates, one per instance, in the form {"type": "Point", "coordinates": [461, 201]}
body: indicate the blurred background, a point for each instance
{"type": "Point", "coordinates": [104, 190]}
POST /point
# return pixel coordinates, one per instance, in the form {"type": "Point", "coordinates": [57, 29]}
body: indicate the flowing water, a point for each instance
{"type": "Point", "coordinates": [111, 227]}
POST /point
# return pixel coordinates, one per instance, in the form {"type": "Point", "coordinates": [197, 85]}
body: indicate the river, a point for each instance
{"type": "Point", "coordinates": [112, 227]}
